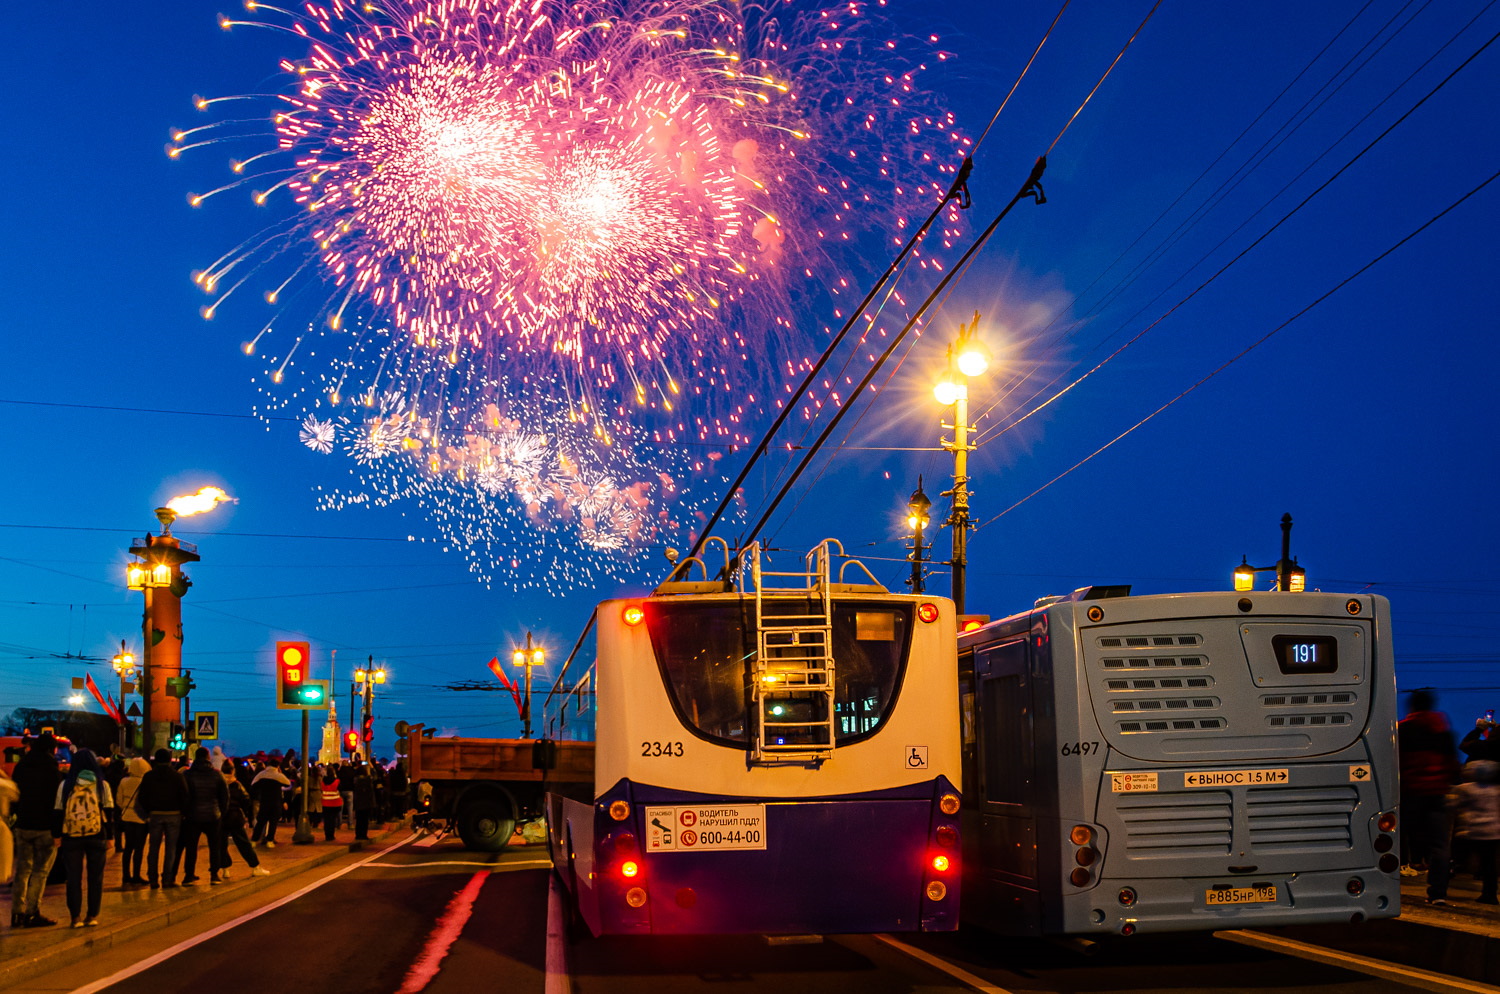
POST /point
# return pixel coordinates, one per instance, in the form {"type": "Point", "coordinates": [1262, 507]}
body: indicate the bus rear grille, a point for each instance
{"type": "Point", "coordinates": [1298, 819]}
{"type": "Point", "coordinates": [1200, 823]}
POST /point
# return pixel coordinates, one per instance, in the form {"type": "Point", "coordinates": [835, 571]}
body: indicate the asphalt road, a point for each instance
{"type": "Point", "coordinates": [438, 919]}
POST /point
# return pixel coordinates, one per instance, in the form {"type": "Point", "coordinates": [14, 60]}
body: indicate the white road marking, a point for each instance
{"type": "Point", "coordinates": [557, 981]}
{"type": "Point", "coordinates": [187, 944]}
{"type": "Point", "coordinates": [1426, 979]}
{"type": "Point", "coordinates": [956, 972]}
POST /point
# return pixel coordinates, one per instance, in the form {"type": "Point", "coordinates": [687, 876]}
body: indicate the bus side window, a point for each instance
{"type": "Point", "coordinates": [1009, 754]}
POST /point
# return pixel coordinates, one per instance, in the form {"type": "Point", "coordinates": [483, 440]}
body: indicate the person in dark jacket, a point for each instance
{"type": "Point", "coordinates": [161, 800]}
{"type": "Point", "coordinates": [84, 844]}
{"type": "Point", "coordinates": [1483, 742]}
{"type": "Point", "coordinates": [397, 782]}
{"type": "Point", "coordinates": [36, 776]}
{"type": "Point", "coordinates": [364, 801]}
{"type": "Point", "coordinates": [346, 791]}
{"type": "Point", "coordinates": [208, 799]}
{"type": "Point", "coordinates": [1429, 765]}
{"type": "Point", "coordinates": [267, 789]}
{"type": "Point", "coordinates": [236, 824]}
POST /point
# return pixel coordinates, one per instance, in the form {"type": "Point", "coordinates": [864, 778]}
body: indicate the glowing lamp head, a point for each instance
{"type": "Point", "coordinates": [948, 392]}
{"type": "Point", "coordinates": [1244, 576]}
{"type": "Point", "coordinates": [941, 863]}
{"type": "Point", "coordinates": [380, 676]}
{"type": "Point", "coordinates": [137, 576]}
{"type": "Point", "coordinates": [630, 869]}
{"type": "Point", "coordinates": [1297, 582]}
{"type": "Point", "coordinates": [973, 358]}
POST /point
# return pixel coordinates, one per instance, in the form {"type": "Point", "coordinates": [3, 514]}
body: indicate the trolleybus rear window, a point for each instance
{"type": "Point", "coordinates": [706, 651]}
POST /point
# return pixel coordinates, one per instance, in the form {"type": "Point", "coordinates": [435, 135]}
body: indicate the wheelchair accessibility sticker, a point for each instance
{"type": "Point", "coordinates": [916, 757]}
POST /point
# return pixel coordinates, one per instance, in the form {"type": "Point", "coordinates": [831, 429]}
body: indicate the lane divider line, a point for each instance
{"type": "Point", "coordinates": [449, 927]}
{"type": "Point", "coordinates": [1414, 976]}
{"type": "Point", "coordinates": [956, 972]}
{"type": "Point", "coordinates": [557, 980]}
{"type": "Point", "coordinates": [187, 944]}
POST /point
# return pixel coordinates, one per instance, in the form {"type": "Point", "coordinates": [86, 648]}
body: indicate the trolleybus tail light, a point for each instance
{"type": "Point", "coordinates": [625, 843]}
{"type": "Point", "coordinates": [1383, 843]}
{"type": "Point", "coordinates": [1128, 928]}
{"type": "Point", "coordinates": [1080, 877]}
{"type": "Point", "coordinates": [1086, 856]}
{"type": "Point", "coordinates": [1386, 822]}
{"type": "Point", "coordinates": [619, 810]}
{"type": "Point", "coordinates": [941, 863]}
{"type": "Point", "coordinates": [635, 897]}
{"type": "Point", "coordinates": [633, 615]}
{"type": "Point", "coordinates": [1081, 835]}
{"type": "Point", "coordinates": [1355, 887]}
{"type": "Point", "coordinates": [948, 804]}
{"type": "Point", "coordinates": [947, 836]}
{"type": "Point", "coordinates": [937, 890]}
{"type": "Point", "coordinates": [1389, 863]}
{"type": "Point", "coordinates": [927, 612]}
{"type": "Point", "coordinates": [630, 869]}
{"type": "Point", "coordinates": [1127, 896]}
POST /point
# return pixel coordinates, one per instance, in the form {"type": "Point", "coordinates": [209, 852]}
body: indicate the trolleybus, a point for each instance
{"type": "Point", "coordinates": [1178, 762]}
{"type": "Point", "coordinates": [769, 757]}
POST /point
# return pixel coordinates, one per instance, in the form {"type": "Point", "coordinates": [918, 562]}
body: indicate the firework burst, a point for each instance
{"type": "Point", "coordinates": [581, 217]}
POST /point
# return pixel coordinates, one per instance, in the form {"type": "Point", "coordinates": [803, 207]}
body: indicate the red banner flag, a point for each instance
{"type": "Point", "coordinates": [88, 681]}
{"type": "Point", "coordinates": [499, 672]}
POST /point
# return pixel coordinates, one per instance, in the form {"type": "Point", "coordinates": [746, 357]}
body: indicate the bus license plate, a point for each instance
{"type": "Point", "coordinates": [1256, 894]}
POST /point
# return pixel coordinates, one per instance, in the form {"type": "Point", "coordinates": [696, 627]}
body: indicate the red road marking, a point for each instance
{"type": "Point", "coordinates": [443, 935]}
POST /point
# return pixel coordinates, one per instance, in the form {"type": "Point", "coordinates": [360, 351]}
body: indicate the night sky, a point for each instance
{"type": "Point", "coordinates": [1369, 418]}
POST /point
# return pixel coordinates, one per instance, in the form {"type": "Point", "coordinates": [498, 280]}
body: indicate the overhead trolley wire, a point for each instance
{"type": "Point", "coordinates": [1030, 188]}
{"type": "Point", "coordinates": [998, 430]}
{"type": "Point", "coordinates": [1252, 346]}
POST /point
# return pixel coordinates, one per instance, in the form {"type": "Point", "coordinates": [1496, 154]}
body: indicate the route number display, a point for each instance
{"type": "Point", "coordinates": [706, 827]}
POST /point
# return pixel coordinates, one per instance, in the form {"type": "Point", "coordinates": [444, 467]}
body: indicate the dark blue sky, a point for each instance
{"type": "Point", "coordinates": [1370, 418]}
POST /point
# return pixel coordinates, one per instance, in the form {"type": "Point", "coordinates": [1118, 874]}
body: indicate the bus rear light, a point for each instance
{"type": "Point", "coordinates": [1086, 857]}
{"type": "Point", "coordinates": [1383, 843]}
{"type": "Point", "coordinates": [948, 804]}
{"type": "Point", "coordinates": [633, 615]}
{"type": "Point", "coordinates": [1389, 863]}
{"type": "Point", "coordinates": [1080, 877]}
{"type": "Point", "coordinates": [1081, 835]}
{"type": "Point", "coordinates": [927, 612]}
{"type": "Point", "coordinates": [1355, 887]}
{"type": "Point", "coordinates": [1386, 822]}
{"type": "Point", "coordinates": [947, 836]}
{"type": "Point", "coordinates": [630, 869]}
{"type": "Point", "coordinates": [941, 863]}
{"type": "Point", "coordinates": [635, 896]}
{"type": "Point", "coordinates": [619, 810]}
{"type": "Point", "coordinates": [1127, 896]}
{"type": "Point", "coordinates": [625, 843]}
{"type": "Point", "coordinates": [1128, 928]}
{"type": "Point", "coordinates": [937, 890]}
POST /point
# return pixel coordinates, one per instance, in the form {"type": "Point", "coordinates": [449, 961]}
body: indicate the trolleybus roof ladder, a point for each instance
{"type": "Point", "coordinates": [793, 660]}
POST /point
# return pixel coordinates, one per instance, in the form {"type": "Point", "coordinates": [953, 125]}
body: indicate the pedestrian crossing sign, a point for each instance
{"type": "Point", "coordinates": [206, 725]}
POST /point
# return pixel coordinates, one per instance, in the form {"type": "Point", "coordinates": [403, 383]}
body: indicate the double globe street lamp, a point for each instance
{"type": "Point", "coordinates": [968, 357]}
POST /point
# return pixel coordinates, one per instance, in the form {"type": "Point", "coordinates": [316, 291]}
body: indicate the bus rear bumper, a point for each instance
{"type": "Point", "coordinates": [1177, 905]}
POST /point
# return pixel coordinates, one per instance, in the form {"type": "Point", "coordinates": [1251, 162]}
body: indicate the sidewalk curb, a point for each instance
{"type": "Point", "coordinates": [73, 945]}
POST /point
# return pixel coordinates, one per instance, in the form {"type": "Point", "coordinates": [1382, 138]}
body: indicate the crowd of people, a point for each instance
{"type": "Point", "coordinates": [1451, 810]}
{"type": "Point", "coordinates": [160, 811]}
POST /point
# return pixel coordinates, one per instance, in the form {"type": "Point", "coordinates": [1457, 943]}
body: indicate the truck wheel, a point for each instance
{"type": "Point", "coordinates": [486, 824]}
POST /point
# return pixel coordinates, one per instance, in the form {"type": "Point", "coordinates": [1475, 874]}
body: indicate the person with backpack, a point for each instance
{"type": "Point", "coordinates": [82, 822]}
{"type": "Point", "coordinates": [36, 777]}
{"type": "Point", "coordinates": [161, 800]}
{"type": "Point", "coordinates": [132, 824]}
{"type": "Point", "coordinates": [236, 821]}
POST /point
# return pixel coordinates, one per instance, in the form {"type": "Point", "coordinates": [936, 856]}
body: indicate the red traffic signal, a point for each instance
{"type": "Point", "coordinates": [369, 733]}
{"type": "Point", "coordinates": [351, 741]}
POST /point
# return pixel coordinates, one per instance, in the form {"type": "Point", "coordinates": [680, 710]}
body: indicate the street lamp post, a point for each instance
{"type": "Point", "coordinates": [365, 679]}
{"type": "Point", "coordinates": [1289, 576]}
{"type": "Point", "coordinates": [917, 520]}
{"type": "Point", "coordinates": [124, 664]}
{"type": "Point", "coordinates": [967, 358]}
{"type": "Point", "coordinates": [527, 656]}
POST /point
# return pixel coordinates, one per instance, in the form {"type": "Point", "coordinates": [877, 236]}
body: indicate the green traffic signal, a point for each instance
{"type": "Point", "coordinates": [311, 695]}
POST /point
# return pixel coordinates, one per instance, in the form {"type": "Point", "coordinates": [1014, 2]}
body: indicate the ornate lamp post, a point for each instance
{"type": "Point", "coordinates": [124, 664]}
{"type": "Point", "coordinates": [527, 656]}
{"type": "Point", "coordinates": [1289, 576]}
{"type": "Point", "coordinates": [917, 506]}
{"type": "Point", "coordinates": [967, 358]}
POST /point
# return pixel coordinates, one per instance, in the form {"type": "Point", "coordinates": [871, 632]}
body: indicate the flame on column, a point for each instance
{"type": "Point", "coordinates": [204, 500]}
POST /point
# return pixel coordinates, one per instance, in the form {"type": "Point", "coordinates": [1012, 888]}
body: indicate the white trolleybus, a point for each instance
{"type": "Point", "coordinates": [770, 758]}
{"type": "Point", "coordinates": [1178, 762]}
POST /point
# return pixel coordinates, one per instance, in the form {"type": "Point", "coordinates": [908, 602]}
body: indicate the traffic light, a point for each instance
{"type": "Point", "coordinates": [351, 741]}
{"type": "Point", "coordinates": [178, 738]}
{"type": "Point", "coordinates": [292, 660]}
{"type": "Point", "coordinates": [369, 728]}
